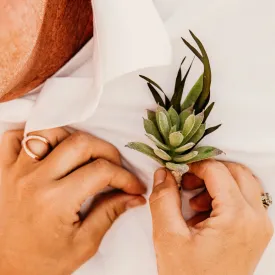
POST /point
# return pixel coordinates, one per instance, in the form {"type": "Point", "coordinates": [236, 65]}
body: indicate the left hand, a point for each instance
{"type": "Point", "coordinates": [41, 231]}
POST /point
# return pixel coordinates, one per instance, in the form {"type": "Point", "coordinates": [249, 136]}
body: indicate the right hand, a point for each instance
{"type": "Point", "coordinates": [41, 231]}
{"type": "Point", "coordinates": [228, 238]}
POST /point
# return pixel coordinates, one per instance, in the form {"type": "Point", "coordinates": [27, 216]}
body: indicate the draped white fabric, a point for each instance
{"type": "Point", "coordinates": [99, 91]}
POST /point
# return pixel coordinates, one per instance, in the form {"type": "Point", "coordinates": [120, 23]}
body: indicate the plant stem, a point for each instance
{"type": "Point", "coordinates": [178, 177]}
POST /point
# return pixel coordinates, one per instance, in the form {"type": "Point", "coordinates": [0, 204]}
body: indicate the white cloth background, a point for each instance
{"type": "Point", "coordinates": [99, 91]}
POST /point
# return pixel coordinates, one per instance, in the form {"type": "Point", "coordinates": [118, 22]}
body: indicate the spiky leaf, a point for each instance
{"type": "Point", "coordinates": [207, 78]}
{"type": "Point", "coordinates": [161, 154]}
{"type": "Point", "coordinates": [145, 149]}
{"type": "Point", "coordinates": [152, 83]}
{"type": "Point", "coordinates": [177, 96]}
{"type": "Point", "coordinates": [151, 129]}
{"type": "Point", "coordinates": [156, 95]}
{"type": "Point", "coordinates": [175, 120]}
{"type": "Point", "coordinates": [212, 129]}
{"type": "Point", "coordinates": [194, 50]}
{"type": "Point", "coordinates": [185, 147]}
{"type": "Point", "coordinates": [175, 101]}
{"type": "Point", "coordinates": [188, 125]}
{"type": "Point", "coordinates": [208, 111]}
{"type": "Point", "coordinates": [194, 94]}
{"type": "Point", "coordinates": [205, 152]}
{"type": "Point", "coordinates": [182, 168]}
{"type": "Point", "coordinates": [198, 135]}
{"type": "Point", "coordinates": [198, 122]}
{"type": "Point", "coordinates": [187, 157]}
{"type": "Point", "coordinates": [176, 139]}
{"type": "Point", "coordinates": [158, 143]}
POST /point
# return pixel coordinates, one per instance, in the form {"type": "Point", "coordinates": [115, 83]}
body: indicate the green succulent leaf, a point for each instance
{"type": "Point", "coordinates": [151, 129]}
{"type": "Point", "coordinates": [194, 94]}
{"type": "Point", "coordinates": [207, 78]}
{"type": "Point", "coordinates": [175, 120]}
{"type": "Point", "coordinates": [198, 135]}
{"type": "Point", "coordinates": [162, 109]}
{"type": "Point", "coordinates": [188, 125]}
{"type": "Point", "coordinates": [185, 147]}
{"type": "Point", "coordinates": [158, 143]}
{"type": "Point", "coordinates": [145, 149]}
{"type": "Point", "coordinates": [176, 99]}
{"type": "Point", "coordinates": [205, 152]}
{"type": "Point", "coordinates": [151, 85]}
{"type": "Point", "coordinates": [164, 125]}
{"type": "Point", "coordinates": [198, 121]}
{"type": "Point", "coordinates": [183, 116]}
{"type": "Point", "coordinates": [187, 157]}
{"type": "Point", "coordinates": [212, 129]}
{"type": "Point", "coordinates": [151, 115]}
{"type": "Point", "coordinates": [182, 168]}
{"type": "Point", "coordinates": [176, 139]}
{"type": "Point", "coordinates": [208, 111]}
{"type": "Point", "coordinates": [162, 154]}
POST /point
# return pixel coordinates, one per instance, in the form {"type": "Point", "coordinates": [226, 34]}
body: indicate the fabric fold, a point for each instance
{"type": "Point", "coordinates": [117, 48]}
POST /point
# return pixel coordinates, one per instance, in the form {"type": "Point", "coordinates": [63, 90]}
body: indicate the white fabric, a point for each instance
{"type": "Point", "coordinates": [99, 91]}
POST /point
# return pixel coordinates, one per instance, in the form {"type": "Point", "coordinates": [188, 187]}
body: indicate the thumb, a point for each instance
{"type": "Point", "coordinates": [106, 209]}
{"type": "Point", "coordinates": [165, 204]}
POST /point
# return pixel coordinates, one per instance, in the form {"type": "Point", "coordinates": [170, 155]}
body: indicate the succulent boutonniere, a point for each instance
{"type": "Point", "coordinates": [177, 127]}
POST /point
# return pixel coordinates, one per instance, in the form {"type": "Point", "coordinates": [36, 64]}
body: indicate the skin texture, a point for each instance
{"type": "Point", "coordinates": [37, 37]}
{"type": "Point", "coordinates": [227, 236]}
{"type": "Point", "coordinates": [41, 231]}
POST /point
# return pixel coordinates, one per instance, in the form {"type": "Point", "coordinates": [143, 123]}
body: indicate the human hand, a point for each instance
{"type": "Point", "coordinates": [229, 239]}
{"type": "Point", "coordinates": [41, 231]}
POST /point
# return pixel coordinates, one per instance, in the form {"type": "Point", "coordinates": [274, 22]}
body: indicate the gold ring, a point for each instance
{"type": "Point", "coordinates": [27, 149]}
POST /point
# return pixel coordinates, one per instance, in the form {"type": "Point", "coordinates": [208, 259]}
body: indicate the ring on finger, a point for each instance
{"type": "Point", "coordinates": [29, 151]}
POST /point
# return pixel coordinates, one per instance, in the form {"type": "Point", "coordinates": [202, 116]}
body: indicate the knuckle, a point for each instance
{"type": "Point", "coordinates": [112, 214]}
{"type": "Point", "coordinates": [101, 164]}
{"type": "Point", "coordinates": [80, 138]}
{"type": "Point", "coordinates": [25, 187]}
{"type": "Point", "coordinates": [210, 166]}
{"type": "Point", "coordinates": [241, 168]}
{"type": "Point", "coordinates": [7, 136]}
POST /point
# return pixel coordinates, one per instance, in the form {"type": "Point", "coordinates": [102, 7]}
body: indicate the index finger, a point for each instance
{"type": "Point", "coordinates": [218, 180]}
{"type": "Point", "coordinates": [94, 177]}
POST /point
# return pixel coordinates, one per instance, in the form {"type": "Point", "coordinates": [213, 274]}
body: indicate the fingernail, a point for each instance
{"type": "Point", "coordinates": [160, 176]}
{"type": "Point", "coordinates": [135, 203]}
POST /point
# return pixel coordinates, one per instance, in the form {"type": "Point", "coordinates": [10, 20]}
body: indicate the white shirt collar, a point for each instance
{"type": "Point", "coordinates": [129, 35]}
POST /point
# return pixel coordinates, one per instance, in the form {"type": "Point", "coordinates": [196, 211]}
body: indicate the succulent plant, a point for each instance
{"type": "Point", "coordinates": [176, 127]}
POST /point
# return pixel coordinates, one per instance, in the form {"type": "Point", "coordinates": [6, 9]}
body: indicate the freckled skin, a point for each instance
{"type": "Point", "coordinates": [37, 37]}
